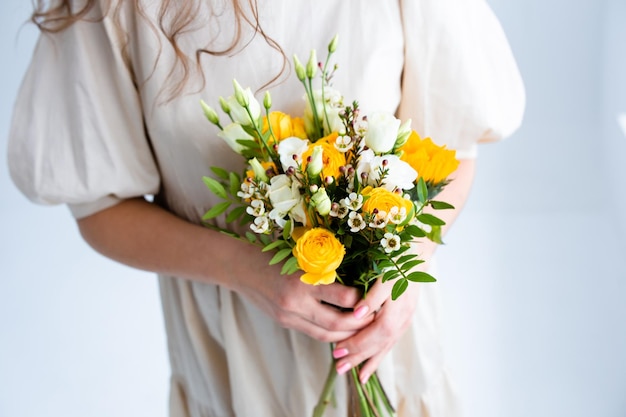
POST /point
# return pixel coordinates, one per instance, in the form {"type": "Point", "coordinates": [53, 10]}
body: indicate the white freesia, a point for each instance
{"type": "Point", "coordinates": [233, 132]}
{"type": "Point", "coordinates": [286, 200]}
{"type": "Point", "coordinates": [399, 173]}
{"type": "Point", "coordinates": [334, 105]}
{"type": "Point", "coordinates": [289, 147]}
{"type": "Point", "coordinates": [239, 113]}
{"type": "Point", "coordinates": [382, 131]}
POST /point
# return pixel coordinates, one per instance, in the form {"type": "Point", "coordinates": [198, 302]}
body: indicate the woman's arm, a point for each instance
{"type": "Point", "coordinates": [145, 236]}
{"type": "Point", "coordinates": [392, 318]}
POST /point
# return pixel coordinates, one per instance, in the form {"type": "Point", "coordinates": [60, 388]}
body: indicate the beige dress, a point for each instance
{"type": "Point", "coordinates": [92, 126]}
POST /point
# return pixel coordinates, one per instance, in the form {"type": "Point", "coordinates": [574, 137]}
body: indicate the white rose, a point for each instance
{"type": "Point", "coordinates": [382, 131]}
{"type": "Point", "coordinates": [231, 133]}
{"type": "Point", "coordinates": [284, 194]}
{"type": "Point", "coordinates": [399, 173]}
{"type": "Point", "coordinates": [322, 202]}
{"type": "Point", "coordinates": [239, 113]}
{"type": "Point", "coordinates": [289, 147]}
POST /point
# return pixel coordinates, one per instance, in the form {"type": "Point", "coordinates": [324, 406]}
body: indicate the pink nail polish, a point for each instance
{"type": "Point", "coordinates": [343, 368]}
{"type": "Point", "coordinates": [360, 312]}
{"type": "Point", "coordinates": [340, 353]}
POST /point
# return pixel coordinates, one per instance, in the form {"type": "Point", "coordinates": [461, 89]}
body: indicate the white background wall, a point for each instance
{"type": "Point", "coordinates": [534, 272]}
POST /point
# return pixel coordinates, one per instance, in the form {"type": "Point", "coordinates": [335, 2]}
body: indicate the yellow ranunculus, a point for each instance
{"type": "Point", "coordinates": [383, 200]}
{"type": "Point", "coordinates": [432, 162]}
{"type": "Point", "coordinates": [284, 126]}
{"type": "Point", "coordinates": [332, 158]}
{"type": "Point", "coordinates": [319, 254]}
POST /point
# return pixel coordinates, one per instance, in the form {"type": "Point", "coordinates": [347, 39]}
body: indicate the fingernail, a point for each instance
{"type": "Point", "coordinates": [364, 379]}
{"type": "Point", "coordinates": [343, 368]}
{"type": "Point", "coordinates": [360, 312]}
{"type": "Point", "coordinates": [340, 353]}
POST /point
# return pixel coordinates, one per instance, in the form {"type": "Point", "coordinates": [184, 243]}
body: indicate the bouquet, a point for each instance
{"type": "Point", "coordinates": [336, 194]}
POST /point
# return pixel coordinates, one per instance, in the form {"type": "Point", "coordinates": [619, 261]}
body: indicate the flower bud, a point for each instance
{"type": "Point", "coordinates": [240, 95]}
{"type": "Point", "coordinates": [267, 101]}
{"type": "Point", "coordinates": [224, 105]}
{"type": "Point", "coordinates": [259, 171]}
{"type": "Point", "coordinates": [317, 163]}
{"type": "Point", "coordinates": [313, 188]}
{"type": "Point", "coordinates": [300, 71]}
{"type": "Point", "coordinates": [210, 113]}
{"type": "Point", "coordinates": [403, 134]}
{"type": "Point", "coordinates": [311, 66]}
{"type": "Point", "coordinates": [332, 46]}
{"type": "Point", "coordinates": [322, 202]}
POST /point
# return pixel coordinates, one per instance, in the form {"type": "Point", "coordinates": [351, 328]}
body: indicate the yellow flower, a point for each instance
{"type": "Point", "coordinates": [384, 200]}
{"type": "Point", "coordinates": [319, 254]}
{"type": "Point", "coordinates": [432, 162]}
{"type": "Point", "coordinates": [332, 158]}
{"type": "Point", "coordinates": [284, 126]}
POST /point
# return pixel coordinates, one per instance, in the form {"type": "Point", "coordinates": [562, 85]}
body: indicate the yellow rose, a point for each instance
{"type": "Point", "coordinates": [332, 158]}
{"type": "Point", "coordinates": [319, 254]}
{"type": "Point", "coordinates": [383, 200]}
{"type": "Point", "coordinates": [284, 126]}
{"type": "Point", "coordinates": [432, 162]}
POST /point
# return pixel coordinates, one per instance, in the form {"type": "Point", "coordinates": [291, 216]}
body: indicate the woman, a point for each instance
{"type": "Point", "coordinates": [108, 113]}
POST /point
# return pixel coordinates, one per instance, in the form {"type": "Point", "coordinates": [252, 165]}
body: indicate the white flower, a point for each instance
{"type": "Point", "coordinates": [399, 174]}
{"type": "Point", "coordinates": [247, 190]}
{"type": "Point", "coordinates": [339, 210]}
{"type": "Point", "coordinates": [257, 168]}
{"type": "Point", "coordinates": [260, 225]}
{"type": "Point", "coordinates": [316, 164]}
{"type": "Point", "coordinates": [382, 131]}
{"type": "Point", "coordinates": [353, 201]}
{"type": "Point", "coordinates": [356, 222]}
{"type": "Point", "coordinates": [390, 242]}
{"type": "Point", "coordinates": [343, 143]}
{"type": "Point", "coordinates": [379, 220]}
{"type": "Point", "coordinates": [286, 200]}
{"type": "Point", "coordinates": [256, 208]}
{"type": "Point", "coordinates": [239, 113]}
{"type": "Point", "coordinates": [396, 215]}
{"type": "Point", "coordinates": [232, 133]}
{"type": "Point", "coordinates": [334, 105]}
{"type": "Point", "coordinates": [290, 147]}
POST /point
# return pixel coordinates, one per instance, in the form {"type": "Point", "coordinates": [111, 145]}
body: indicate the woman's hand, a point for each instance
{"type": "Point", "coordinates": [390, 319]}
{"type": "Point", "coordinates": [312, 310]}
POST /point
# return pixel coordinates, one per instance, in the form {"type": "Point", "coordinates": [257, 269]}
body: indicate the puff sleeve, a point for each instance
{"type": "Point", "coordinates": [460, 84]}
{"type": "Point", "coordinates": [77, 134]}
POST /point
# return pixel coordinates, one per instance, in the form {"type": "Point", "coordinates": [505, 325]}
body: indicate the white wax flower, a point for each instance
{"type": "Point", "coordinates": [232, 133]}
{"type": "Point", "coordinates": [289, 147]}
{"type": "Point", "coordinates": [261, 225]}
{"type": "Point", "coordinates": [390, 242]}
{"type": "Point", "coordinates": [399, 174]}
{"type": "Point", "coordinates": [382, 131]}
{"type": "Point", "coordinates": [356, 222]}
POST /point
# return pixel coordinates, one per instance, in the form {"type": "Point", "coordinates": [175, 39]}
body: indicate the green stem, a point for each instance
{"type": "Point", "coordinates": [383, 395]}
{"type": "Point", "coordinates": [327, 392]}
{"type": "Point", "coordinates": [362, 396]}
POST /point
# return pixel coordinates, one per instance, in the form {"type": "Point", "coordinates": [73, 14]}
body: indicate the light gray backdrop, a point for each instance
{"type": "Point", "coordinates": [534, 271]}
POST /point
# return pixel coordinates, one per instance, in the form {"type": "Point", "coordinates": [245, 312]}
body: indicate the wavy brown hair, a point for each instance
{"type": "Point", "coordinates": [174, 19]}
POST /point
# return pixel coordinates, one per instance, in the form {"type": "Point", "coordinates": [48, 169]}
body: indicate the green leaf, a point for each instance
{"type": "Point", "coordinates": [407, 266]}
{"type": "Point", "coordinates": [250, 144]}
{"type": "Point", "coordinates": [220, 172]}
{"type": "Point", "coordinates": [389, 275]}
{"type": "Point", "coordinates": [251, 237]}
{"type": "Point", "coordinates": [347, 241]}
{"type": "Point", "coordinates": [215, 187]}
{"type": "Point", "coordinates": [287, 230]}
{"type": "Point", "coordinates": [265, 239]}
{"type": "Point", "coordinates": [406, 258]}
{"type": "Point", "coordinates": [435, 235]}
{"type": "Point", "coordinates": [419, 276]}
{"type": "Point", "coordinates": [236, 213]}
{"type": "Point", "coordinates": [430, 219]}
{"type": "Point", "coordinates": [216, 210]}
{"type": "Point", "coordinates": [235, 183]}
{"type": "Point", "coordinates": [441, 205]}
{"type": "Point", "coordinates": [273, 245]}
{"type": "Point", "coordinates": [280, 255]}
{"type": "Point", "coordinates": [290, 266]}
{"type": "Point", "coordinates": [422, 190]}
{"type": "Point", "coordinates": [415, 231]}
{"type": "Point", "coordinates": [398, 288]}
